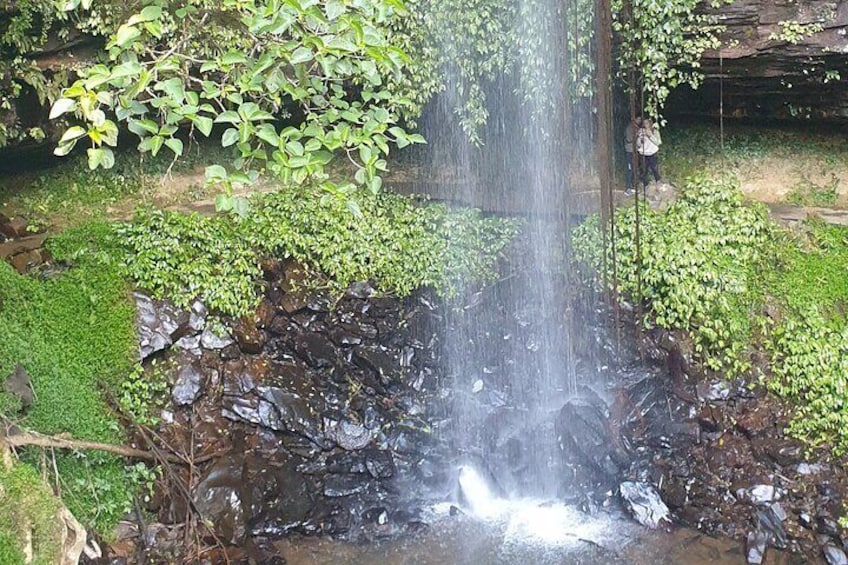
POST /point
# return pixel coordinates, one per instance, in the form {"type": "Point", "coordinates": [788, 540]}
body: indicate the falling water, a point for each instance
{"type": "Point", "coordinates": [536, 155]}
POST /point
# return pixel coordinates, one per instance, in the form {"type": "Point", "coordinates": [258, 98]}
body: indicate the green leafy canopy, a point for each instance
{"type": "Point", "coordinates": [328, 61]}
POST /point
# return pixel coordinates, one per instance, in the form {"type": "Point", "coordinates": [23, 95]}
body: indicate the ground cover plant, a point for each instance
{"type": "Point", "coordinates": [719, 269]}
{"type": "Point", "coordinates": [69, 193]}
{"type": "Point", "coordinates": [30, 512]}
{"type": "Point", "coordinates": [74, 335]}
{"type": "Point", "coordinates": [800, 167]}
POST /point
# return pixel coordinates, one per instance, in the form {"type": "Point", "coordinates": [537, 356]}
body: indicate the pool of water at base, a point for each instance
{"type": "Point", "coordinates": [555, 535]}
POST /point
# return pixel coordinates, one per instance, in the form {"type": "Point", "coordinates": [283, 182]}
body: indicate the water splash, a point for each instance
{"type": "Point", "coordinates": [530, 521]}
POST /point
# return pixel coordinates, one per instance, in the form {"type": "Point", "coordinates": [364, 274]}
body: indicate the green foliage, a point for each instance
{"type": "Point", "coordinates": [810, 364]}
{"type": "Point", "coordinates": [186, 256]}
{"type": "Point", "coordinates": [661, 42]}
{"type": "Point", "coordinates": [29, 509]}
{"type": "Point", "coordinates": [795, 32]}
{"type": "Point", "coordinates": [329, 60]}
{"type": "Point", "coordinates": [461, 46]}
{"type": "Point", "coordinates": [457, 41]}
{"type": "Point", "coordinates": [808, 193]}
{"type": "Point", "coordinates": [710, 264]}
{"type": "Point", "coordinates": [24, 30]}
{"type": "Point", "coordinates": [73, 334]}
{"type": "Point", "coordinates": [142, 394]}
{"type": "Point", "coordinates": [813, 271]}
{"type": "Point", "coordinates": [809, 345]}
{"type": "Point", "coordinates": [698, 266]}
{"type": "Point", "coordinates": [389, 239]}
{"type": "Point", "coordinates": [71, 194]}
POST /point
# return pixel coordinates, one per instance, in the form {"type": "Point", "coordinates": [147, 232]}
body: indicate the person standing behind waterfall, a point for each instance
{"type": "Point", "coordinates": [648, 143]}
{"type": "Point", "coordinates": [629, 149]}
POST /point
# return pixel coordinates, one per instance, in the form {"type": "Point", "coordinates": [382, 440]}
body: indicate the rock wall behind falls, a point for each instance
{"type": "Point", "coordinates": [774, 64]}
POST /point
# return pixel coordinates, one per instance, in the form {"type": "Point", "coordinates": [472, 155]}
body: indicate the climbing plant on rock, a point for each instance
{"type": "Point", "coordinates": [243, 66]}
{"type": "Point", "coordinates": [661, 42]}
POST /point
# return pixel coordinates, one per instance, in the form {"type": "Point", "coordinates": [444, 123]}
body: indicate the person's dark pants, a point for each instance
{"type": "Point", "coordinates": [650, 165]}
{"type": "Point", "coordinates": [629, 177]}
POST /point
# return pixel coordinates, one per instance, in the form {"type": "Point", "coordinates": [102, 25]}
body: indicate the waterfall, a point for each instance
{"type": "Point", "coordinates": [512, 364]}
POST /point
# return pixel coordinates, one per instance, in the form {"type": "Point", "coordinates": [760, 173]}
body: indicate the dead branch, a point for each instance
{"type": "Point", "coordinates": [34, 439]}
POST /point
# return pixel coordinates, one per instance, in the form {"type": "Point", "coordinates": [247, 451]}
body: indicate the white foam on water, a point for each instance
{"type": "Point", "coordinates": [528, 521]}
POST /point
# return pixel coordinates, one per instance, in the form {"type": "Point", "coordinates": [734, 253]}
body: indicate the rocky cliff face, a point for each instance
{"type": "Point", "coordinates": [780, 59]}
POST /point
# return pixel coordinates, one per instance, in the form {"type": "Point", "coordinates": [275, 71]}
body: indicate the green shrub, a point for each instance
{"type": "Point", "coordinates": [699, 264]}
{"type": "Point", "coordinates": [393, 241]}
{"type": "Point", "coordinates": [810, 366]}
{"type": "Point", "coordinates": [711, 263]}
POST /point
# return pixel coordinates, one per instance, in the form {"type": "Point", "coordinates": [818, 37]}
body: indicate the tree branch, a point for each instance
{"type": "Point", "coordinates": [27, 438]}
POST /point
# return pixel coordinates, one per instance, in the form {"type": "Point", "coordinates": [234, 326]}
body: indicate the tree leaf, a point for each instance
{"type": "Point", "coordinates": [230, 137]}
{"type": "Point", "coordinates": [64, 148]}
{"type": "Point", "coordinates": [126, 34]}
{"type": "Point", "coordinates": [334, 9]}
{"type": "Point", "coordinates": [72, 134]}
{"type": "Point", "coordinates": [215, 173]}
{"type": "Point", "coordinates": [62, 106]}
{"type": "Point", "coordinates": [228, 117]}
{"type": "Point", "coordinates": [203, 124]}
{"type": "Point", "coordinates": [301, 55]}
{"type": "Point", "coordinates": [156, 143]}
{"type": "Point", "coordinates": [175, 145]}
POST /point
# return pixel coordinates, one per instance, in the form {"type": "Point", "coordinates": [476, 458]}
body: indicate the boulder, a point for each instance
{"type": "Point", "coordinates": [158, 324]}
{"type": "Point", "coordinates": [644, 503]}
{"type": "Point", "coordinates": [189, 384]}
{"type": "Point", "coordinates": [18, 385]}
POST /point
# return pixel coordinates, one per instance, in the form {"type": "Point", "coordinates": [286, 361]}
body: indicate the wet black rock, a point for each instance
{"type": "Point", "coordinates": [360, 290]}
{"type": "Point", "coordinates": [715, 391]}
{"type": "Point", "coordinates": [317, 350]}
{"type": "Point", "coordinates": [380, 463]}
{"type": "Point", "coordinates": [755, 547]}
{"type": "Point", "coordinates": [210, 339]}
{"type": "Point", "coordinates": [343, 485]}
{"type": "Point", "coordinates": [197, 316]}
{"type": "Point", "coordinates": [219, 498]}
{"type": "Point", "coordinates": [585, 443]}
{"type": "Point", "coordinates": [283, 410]}
{"type": "Point", "coordinates": [770, 520]}
{"type": "Point", "coordinates": [189, 385]}
{"type": "Point", "coordinates": [827, 525]}
{"type": "Point", "coordinates": [377, 359]}
{"type": "Point", "coordinates": [834, 556]}
{"type": "Point", "coordinates": [643, 501]}
{"type": "Point", "coordinates": [249, 337]}
{"type": "Point", "coordinates": [158, 324]}
{"type": "Point", "coordinates": [190, 343]}
{"type": "Point", "coordinates": [347, 435]}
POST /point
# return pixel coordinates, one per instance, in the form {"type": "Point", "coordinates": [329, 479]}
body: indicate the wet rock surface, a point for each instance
{"type": "Point", "coordinates": [341, 419]}
{"type": "Point", "coordinates": [312, 417]}
{"type": "Point", "coordinates": [722, 461]}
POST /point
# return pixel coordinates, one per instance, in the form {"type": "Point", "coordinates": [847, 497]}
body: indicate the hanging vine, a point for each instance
{"type": "Point", "coordinates": [661, 42]}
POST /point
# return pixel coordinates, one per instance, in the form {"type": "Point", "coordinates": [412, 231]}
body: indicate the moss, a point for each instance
{"type": "Point", "coordinates": [812, 274]}
{"type": "Point", "coordinates": [73, 334]}
{"type": "Point", "coordinates": [28, 508]}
